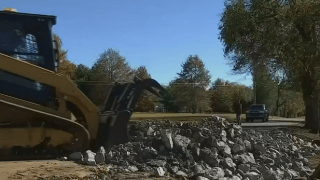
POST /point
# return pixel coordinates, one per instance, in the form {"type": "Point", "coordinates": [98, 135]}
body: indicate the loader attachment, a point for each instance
{"type": "Point", "coordinates": [118, 109]}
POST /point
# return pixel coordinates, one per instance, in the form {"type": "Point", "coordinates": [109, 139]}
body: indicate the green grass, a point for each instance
{"type": "Point", "coordinates": [170, 116]}
{"type": "Point", "coordinates": [193, 117]}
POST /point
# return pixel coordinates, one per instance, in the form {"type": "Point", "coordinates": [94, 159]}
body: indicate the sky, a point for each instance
{"type": "Point", "coordinates": [158, 34]}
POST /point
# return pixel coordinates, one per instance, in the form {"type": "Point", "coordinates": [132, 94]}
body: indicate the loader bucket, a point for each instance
{"type": "Point", "coordinates": [122, 99]}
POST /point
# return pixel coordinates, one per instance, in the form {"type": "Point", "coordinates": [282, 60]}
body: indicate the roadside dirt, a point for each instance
{"type": "Point", "coordinates": [56, 170]}
{"type": "Point", "coordinates": [31, 170]}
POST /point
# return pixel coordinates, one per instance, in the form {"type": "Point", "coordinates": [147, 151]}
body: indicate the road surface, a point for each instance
{"type": "Point", "coordinates": [274, 122]}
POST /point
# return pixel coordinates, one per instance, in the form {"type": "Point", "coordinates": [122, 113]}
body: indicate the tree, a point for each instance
{"type": "Point", "coordinates": [108, 68]}
{"type": "Point", "coordinates": [168, 100]}
{"type": "Point", "coordinates": [111, 66]}
{"type": "Point", "coordinates": [224, 93]}
{"type": "Point", "coordinates": [193, 82]}
{"type": "Point", "coordinates": [82, 77]}
{"type": "Point", "coordinates": [277, 34]}
{"type": "Point", "coordinates": [265, 89]}
{"type": "Point", "coordinates": [65, 66]}
{"type": "Point", "coordinates": [220, 98]}
{"type": "Point", "coordinates": [145, 102]}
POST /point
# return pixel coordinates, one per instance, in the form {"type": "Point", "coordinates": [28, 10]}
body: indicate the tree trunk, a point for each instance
{"type": "Point", "coordinates": [315, 107]}
{"type": "Point", "coordinates": [309, 114]}
{"type": "Point", "coordinates": [308, 98]}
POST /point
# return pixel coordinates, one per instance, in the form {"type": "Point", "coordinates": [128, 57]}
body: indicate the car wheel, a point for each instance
{"type": "Point", "coordinates": [267, 119]}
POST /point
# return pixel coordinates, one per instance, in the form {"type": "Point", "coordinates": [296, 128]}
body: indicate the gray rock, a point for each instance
{"type": "Point", "coordinates": [214, 151]}
{"type": "Point", "coordinates": [294, 148]}
{"type": "Point", "coordinates": [204, 152]}
{"type": "Point", "coordinates": [227, 163]}
{"type": "Point", "coordinates": [173, 169]}
{"type": "Point", "coordinates": [213, 161]}
{"type": "Point", "coordinates": [150, 131]}
{"type": "Point", "coordinates": [101, 150]}
{"type": "Point", "coordinates": [247, 145]}
{"type": "Point", "coordinates": [201, 178]}
{"type": "Point", "coordinates": [235, 178]}
{"type": "Point", "coordinates": [301, 178]}
{"type": "Point", "coordinates": [195, 149]}
{"type": "Point", "coordinates": [230, 133]}
{"type": "Point", "coordinates": [199, 137]}
{"type": "Point", "coordinates": [181, 142]}
{"type": "Point", "coordinates": [160, 172]}
{"type": "Point", "coordinates": [198, 170]}
{"type": "Point", "coordinates": [268, 161]}
{"type": "Point", "coordinates": [275, 151]}
{"type": "Point", "coordinates": [76, 156]}
{"type": "Point", "coordinates": [100, 157]}
{"type": "Point", "coordinates": [237, 149]}
{"type": "Point", "coordinates": [166, 137]}
{"type": "Point", "coordinates": [63, 158]}
{"type": "Point", "coordinates": [287, 175]}
{"type": "Point", "coordinates": [215, 173]}
{"type": "Point", "coordinates": [220, 145]}
{"type": "Point", "coordinates": [181, 173]}
{"type": "Point", "coordinates": [157, 163]}
{"type": "Point", "coordinates": [245, 158]}
{"type": "Point", "coordinates": [270, 174]}
{"type": "Point", "coordinates": [280, 174]}
{"type": "Point", "coordinates": [244, 167]}
{"type": "Point", "coordinates": [89, 158]}
{"type": "Point", "coordinates": [297, 166]}
{"type": "Point", "coordinates": [133, 168]}
{"type": "Point", "coordinates": [252, 175]}
{"type": "Point", "coordinates": [228, 173]}
{"type": "Point", "coordinates": [223, 133]}
{"type": "Point", "coordinates": [227, 151]}
{"type": "Point", "coordinates": [259, 148]}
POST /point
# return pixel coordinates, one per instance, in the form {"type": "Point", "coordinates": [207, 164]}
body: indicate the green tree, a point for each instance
{"type": "Point", "coordinates": [82, 77]}
{"type": "Point", "coordinates": [220, 98]}
{"type": "Point", "coordinates": [265, 89]}
{"type": "Point", "coordinates": [108, 68]}
{"type": "Point", "coordinates": [224, 93]}
{"type": "Point", "coordinates": [65, 66]}
{"type": "Point", "coordinates": [145, 102]}
{"type": "Point", "coordinates": [196, 77]}
{"type": "Point", "coordinates": [277, 34]}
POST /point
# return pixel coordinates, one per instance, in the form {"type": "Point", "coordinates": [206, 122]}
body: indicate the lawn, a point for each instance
{"type": "Point", "coordinates": [196, 116]}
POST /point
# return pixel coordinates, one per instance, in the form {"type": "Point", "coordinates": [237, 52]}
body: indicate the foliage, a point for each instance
{"type": "Point", "coordinates": [190, 87]}
{"type": "Point", "coordinates": [224, 93]}
{"type": "Point", "coordinates": [145, 102]}
{"type": "Point", "coordinates": [265, 88]}
{"type": "Point", "coordinates": [108, 68]}
{"type": "Point", "coordinates": [169, 101]}
{"type": "Point", "coordinates": [82, 77]}
{"type": "Point", "coordinates": [277, 34]}
{"type": "Point", "coordinates": [65, 66]}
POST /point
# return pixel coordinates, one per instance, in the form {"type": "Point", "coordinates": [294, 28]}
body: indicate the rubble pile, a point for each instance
{"type": "Point", "coordinates": [208, 149]}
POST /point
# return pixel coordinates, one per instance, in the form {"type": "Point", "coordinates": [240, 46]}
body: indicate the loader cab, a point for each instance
{"type": "Point", "coordinates": [29, 37]}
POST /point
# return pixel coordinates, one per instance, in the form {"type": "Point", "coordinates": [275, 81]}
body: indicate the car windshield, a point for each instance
{"type": "Point", "coordinates": [257, 107]}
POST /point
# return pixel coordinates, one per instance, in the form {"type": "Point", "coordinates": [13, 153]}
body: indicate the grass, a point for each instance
{"type": "Point", "coordinates": [196, 116]}
{"type": "Point", "coordinates": [170, 116]}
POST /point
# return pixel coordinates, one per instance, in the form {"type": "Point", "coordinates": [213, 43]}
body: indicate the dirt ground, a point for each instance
{"type": "Point", "coordinates": [30, 170]}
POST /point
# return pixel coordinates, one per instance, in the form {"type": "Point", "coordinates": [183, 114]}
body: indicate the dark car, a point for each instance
{"type": "Point", "coordinates": [257, 111]}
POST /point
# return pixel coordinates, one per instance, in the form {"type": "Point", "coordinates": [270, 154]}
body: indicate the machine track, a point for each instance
{"type": "Point", "coordinates": [27, 133]}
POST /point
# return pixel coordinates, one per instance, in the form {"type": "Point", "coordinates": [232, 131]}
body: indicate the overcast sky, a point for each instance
{"type": "Point", "coordinates": [158, 34]}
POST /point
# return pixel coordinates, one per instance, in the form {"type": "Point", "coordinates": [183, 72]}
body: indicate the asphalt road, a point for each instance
{"type": "Point", "coordinates": [274, 122]}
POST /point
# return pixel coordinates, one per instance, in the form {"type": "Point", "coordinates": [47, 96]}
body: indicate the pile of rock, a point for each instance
{"type": "Point", "coordinates": [209, 149]}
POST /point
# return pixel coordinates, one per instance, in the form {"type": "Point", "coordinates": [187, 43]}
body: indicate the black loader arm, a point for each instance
{"type": "Point", "coordinates": [118, 109]}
